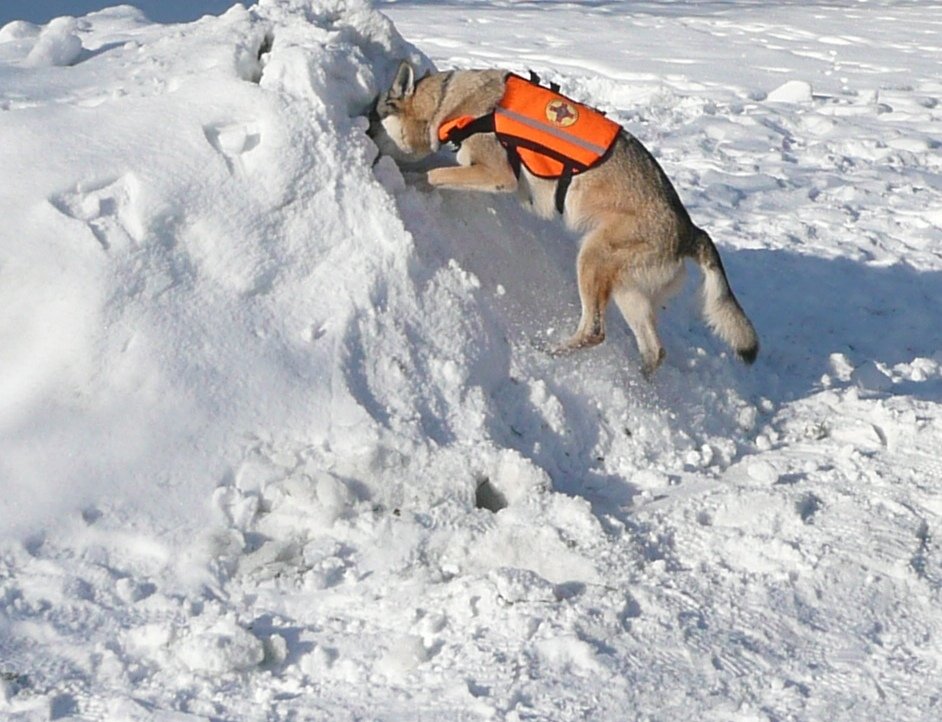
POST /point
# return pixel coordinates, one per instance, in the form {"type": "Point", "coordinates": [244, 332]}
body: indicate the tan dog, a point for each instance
{"type": "Point", "coordinates": [636, 230]}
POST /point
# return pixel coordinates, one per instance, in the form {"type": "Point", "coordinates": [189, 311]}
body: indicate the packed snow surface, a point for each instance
{"type": "Point", "coordinates": [278, 440]}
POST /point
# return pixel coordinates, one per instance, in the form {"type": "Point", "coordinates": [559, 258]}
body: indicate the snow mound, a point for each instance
{"type": "Point", "coordinates": [57, 44]}
{"type": "Point", "coordinates": [17, 30]}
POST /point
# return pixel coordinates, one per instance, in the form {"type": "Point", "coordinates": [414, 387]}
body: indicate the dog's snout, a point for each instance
{"type": "Point", "coordinates": [373, 116]}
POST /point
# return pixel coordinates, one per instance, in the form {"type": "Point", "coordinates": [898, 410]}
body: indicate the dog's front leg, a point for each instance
{"type": "Point", "coordinates": [477, 177]}
{"type": "Point", "coordinates": [483, 166]}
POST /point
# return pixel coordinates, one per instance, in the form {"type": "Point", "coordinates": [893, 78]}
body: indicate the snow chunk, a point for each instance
{"type": "Point", "coordinates": [841, 366]}
{"type": "Point", "coordinates": [650, 479]}
{"type": "Point", "coordinates": [57, 45]}
{"type": "Point", "coordinates": [521, 585]}
{"type": "Point", "coordinates": [794, 91]}
{"type": "Point", "coordinates": [763, 472]}
{"type": "Point", "coordinates": [571, 653]}
{"type": "Point", "coordinates": [226, 647]}
{"type": "Point", "coordinates": [402, 656]}
{"type": "Point", "coordinates": [515, 477]}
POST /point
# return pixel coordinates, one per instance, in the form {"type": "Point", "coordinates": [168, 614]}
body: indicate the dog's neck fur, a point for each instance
{"type": "Point", "coordinates": [478, 93]}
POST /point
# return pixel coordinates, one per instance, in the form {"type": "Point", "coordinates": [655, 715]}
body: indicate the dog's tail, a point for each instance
{"type": "Point", "coordinates": [722, 311]}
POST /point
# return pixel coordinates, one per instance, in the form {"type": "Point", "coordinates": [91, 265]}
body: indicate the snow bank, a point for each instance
{"type": "Point", "coordinates": [155, 318]}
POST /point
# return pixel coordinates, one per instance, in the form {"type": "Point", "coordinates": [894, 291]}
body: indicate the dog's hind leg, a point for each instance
{"type": "Point", "coordinates": [638, 309]}
{"type": "Point", "coordinates": [596, 268]}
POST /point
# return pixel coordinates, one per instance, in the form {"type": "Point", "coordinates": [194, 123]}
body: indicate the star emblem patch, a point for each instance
{"type": "Point", "coordinates": [561, 113]}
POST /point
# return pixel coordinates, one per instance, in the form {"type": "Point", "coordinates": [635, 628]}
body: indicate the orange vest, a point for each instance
{"type": "Point", "coordinates": [550, 134]}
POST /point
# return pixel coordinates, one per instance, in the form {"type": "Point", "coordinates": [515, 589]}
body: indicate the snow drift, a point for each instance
{"type": "Point", "coordinates": [190, 260]}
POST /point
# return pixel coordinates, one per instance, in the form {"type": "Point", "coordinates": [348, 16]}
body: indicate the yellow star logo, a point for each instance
{"type": "Point", "coordinates": [561, 113]}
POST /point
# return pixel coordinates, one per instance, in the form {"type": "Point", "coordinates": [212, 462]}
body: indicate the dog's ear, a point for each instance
{"type": "Point", "coordinates": [404, 84]}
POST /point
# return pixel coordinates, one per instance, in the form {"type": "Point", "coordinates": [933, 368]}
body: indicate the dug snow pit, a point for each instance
{"type": "Point", "coordinates": [487, 496]}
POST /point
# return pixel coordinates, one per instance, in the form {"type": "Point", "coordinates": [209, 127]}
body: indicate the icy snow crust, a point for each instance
{"type": "Point", "coordinates": [277, 440]}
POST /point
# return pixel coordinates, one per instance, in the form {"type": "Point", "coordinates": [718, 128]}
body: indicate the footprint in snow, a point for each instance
{"type": "Point", "coordinates": [233, 141]}
{"type": "Point", "coordinates": [108, 208]}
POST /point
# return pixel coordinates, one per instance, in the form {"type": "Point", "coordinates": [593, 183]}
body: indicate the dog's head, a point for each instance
{"type": "Point", "coordinates": [398, 125]}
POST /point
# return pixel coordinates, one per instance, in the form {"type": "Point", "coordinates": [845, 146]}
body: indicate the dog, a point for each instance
{"type": "Point", "coordinates": [636, 232]}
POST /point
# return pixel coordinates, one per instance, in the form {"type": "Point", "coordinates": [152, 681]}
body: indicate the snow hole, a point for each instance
{"type": "Point", "coordinates": [487, 496]}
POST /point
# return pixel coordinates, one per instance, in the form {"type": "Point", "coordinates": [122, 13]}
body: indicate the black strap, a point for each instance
{"type": "Point", "coordinates": [525, 143]}
{"type": "Point", "coordinates": [512, 146]}
{"type": "Point", "coordinates": [513, 157]}
{"type": "Point", "coordinates": [562, 187]}
{"type": "Point", "coordinates": [535, 79]}
{"type": "Point", "coordinates": [484, 124]}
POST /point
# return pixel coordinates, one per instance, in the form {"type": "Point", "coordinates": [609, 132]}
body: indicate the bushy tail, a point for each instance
{"type": "Point", "coordinates": [723, 313]}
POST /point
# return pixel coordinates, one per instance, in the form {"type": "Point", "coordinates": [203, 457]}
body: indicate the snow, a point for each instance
{"type": "Point", "coordinates": [277, 438]}
{"type": "Point", "coordinates": [57, 44]}
{"type": "Point", "coordinates": [792, 91]}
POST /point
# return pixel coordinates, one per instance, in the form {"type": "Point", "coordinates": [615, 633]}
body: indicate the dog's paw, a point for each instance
{"type": "Point", "coordinates": [576, 342]}
{"type": "Point", "coordinates": [417, 179]}
{"type": "Point", "coordinates": [437, 177]}
{"type": "Point", "coordinates": [652, 364]}
{"type": "Point", "coordinates": [560, 349]}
